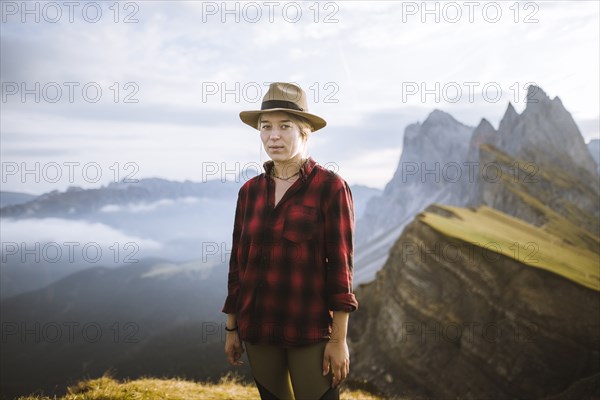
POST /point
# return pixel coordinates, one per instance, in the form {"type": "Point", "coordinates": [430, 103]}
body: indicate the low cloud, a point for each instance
{"type": "Point", "coordinates": [146, 207]}
{"type": "Point", "coordinates": [60, 230]}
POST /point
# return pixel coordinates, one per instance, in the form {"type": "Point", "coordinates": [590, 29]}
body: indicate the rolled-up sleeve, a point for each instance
{"type": "Point", "coordinates": [233, 279]}
{"type": "Point", "coordinates": [339, 242]}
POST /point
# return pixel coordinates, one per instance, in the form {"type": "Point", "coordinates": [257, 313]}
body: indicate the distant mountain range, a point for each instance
{"type": "Point", "coordinates": [13, 198]}
{"type": "Point", "coordinates": [178, 221]}
{"type": "Point", "coordinates": [75, 202]}
{"type": "Point", "coordinates": [115, 318]}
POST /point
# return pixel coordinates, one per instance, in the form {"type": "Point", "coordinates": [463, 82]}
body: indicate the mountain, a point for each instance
{"type": "Point", "coordinates": [498, 298]}
{"type": "Point", "coordinates": [361, 195]}
{"type": "Point", "coordinates": [12, 198]}
{"type": "Point", "coordinates": [534, 160]}
{"type": "Point", "coordinates": [431, 153]}
{"type": "Point", "coordinates": [45, 239]}
{"type": "Point", "coordinates": [468, 189]}
{"type": "Point", "coordinates": [76, 202]}
{"type": "Point", "coordinates": [101, 317]}
{"type": "Point", "coordinates": [145, 194]}
{"type": "Point", "coordinates": [475, 304]}
{"type": "Point", "coordinates": [594, 148]}
{"type": "Point", "coordinates": [444, 161]}
{"type": "Point", "coordinates": [545, 134]}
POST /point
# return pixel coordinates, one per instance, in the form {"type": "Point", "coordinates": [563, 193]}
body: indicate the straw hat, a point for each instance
{"type": "Point", "coordinates": [287, 97]}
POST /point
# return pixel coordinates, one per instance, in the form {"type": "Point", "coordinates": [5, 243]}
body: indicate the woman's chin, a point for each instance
{"type": "Point", "coordinates": [278, 156]}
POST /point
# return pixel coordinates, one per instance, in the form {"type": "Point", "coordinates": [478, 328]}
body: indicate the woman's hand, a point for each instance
{"type": "Point", "coordinates": [233, 348]}
{"type": "Point", "coordinates": [338, 357]}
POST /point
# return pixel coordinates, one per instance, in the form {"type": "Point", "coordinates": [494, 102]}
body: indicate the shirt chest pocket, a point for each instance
{"type": "Point", "coordinates": [300, 223]}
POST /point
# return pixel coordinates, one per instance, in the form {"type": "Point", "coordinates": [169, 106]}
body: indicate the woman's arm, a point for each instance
{"type": "Point", "coordinates": [233, 345]}
{"type": "Point", "coordinates": [336, 353]}
{"type": "Point", "coordinates": [339, 248]}
{"type": "Point", "coordinates": [339, 236]}
{"type": "Point", "coordinates": [340, 326]}
{"type": "Point", "coordinates": [231, 321]}
{"type": "Point", "coordinates": [233, 281]}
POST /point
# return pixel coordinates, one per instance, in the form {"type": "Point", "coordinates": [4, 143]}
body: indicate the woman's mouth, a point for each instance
{"type": "Point", "coordinates": [275, 147]}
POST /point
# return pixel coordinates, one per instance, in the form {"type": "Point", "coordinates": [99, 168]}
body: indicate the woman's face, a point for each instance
{"type": "Point", "coordinates": [280, 136]}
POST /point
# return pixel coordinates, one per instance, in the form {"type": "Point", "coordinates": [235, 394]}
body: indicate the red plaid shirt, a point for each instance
{"type": "Point", "coordinates": [291, 265]}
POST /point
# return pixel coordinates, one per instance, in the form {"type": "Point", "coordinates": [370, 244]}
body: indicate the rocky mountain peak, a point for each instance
{"type": "Point", "coordinates": [544, 134]}
{"type": "Point", "coordinates": [411, 134]}
{"type": "Point", "coordinates": [535, 95]}
{"type": "Point", "coordinates": [439, 117]}
{"type": "Point", "coordinates": [484, 128]}
{"type": "Point", "coordinates": [441, 125]}
{"type": "Point", "coordinates": [509, 119]}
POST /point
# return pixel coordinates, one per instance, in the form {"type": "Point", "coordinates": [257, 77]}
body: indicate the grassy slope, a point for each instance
{"type": "Point", "coordinates": [528, 244]}
{"type": "Point", "coordinates": [533, 190]}
{"type": "Point", "coordinates": [229, 387]}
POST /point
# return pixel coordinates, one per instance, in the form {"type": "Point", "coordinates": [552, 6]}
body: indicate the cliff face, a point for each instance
{"type": "Point", "coordinates": [467, 190]}
{"type": "Point", "coordinates": [428, 149]}
{"type": "Point", "coordinates": [594, 148]}
{"type": "Point", "coordinates": [448, 317]}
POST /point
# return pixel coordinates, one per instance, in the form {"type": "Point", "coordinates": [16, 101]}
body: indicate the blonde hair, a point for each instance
{"type": "Point", "coordinates": [304, 126]}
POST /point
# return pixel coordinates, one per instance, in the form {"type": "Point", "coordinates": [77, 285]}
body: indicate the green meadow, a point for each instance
{"type": "Point", "coordinates": [526, 243]}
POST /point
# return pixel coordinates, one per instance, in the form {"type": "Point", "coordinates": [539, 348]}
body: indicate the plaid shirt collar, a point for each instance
{"type": "Point", "coordinates": [305, 169]}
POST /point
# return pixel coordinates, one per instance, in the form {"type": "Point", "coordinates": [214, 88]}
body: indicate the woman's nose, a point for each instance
{"type": "Point", "coordinates": [275, 134]}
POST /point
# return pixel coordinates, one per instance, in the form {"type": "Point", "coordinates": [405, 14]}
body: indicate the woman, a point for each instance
{"type": "Point", "coordinates": [290, 272]}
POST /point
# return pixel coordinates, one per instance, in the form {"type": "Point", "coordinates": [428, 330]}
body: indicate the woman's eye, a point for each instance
{"type": "Point", "coordinates": [286, 126]}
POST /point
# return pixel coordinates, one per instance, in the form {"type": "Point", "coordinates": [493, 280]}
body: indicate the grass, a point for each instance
{"type": "Point", "coordinates": [512, 237]}
{"type": "Point", "coordinates": [534, 190]}
{"type": "Point", "coordinates": [229, 387]}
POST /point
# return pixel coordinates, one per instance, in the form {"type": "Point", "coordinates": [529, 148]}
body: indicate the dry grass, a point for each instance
{"type": "Point", "coordinates": [229, 388]}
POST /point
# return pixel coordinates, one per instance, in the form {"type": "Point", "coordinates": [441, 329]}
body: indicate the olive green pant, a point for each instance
{"type": "Point", "coordinates": [290, 373]}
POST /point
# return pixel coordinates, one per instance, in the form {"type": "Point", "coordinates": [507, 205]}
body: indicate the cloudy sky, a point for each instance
{"type": "Point", "coordinates": [99, 91]}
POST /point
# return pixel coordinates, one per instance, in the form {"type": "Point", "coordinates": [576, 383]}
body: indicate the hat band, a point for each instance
{"type": "Point", "coordinates": [266, 105]}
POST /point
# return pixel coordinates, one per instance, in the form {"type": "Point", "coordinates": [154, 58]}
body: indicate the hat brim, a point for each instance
{"type": "Point", "coordinates": [251, 117]}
